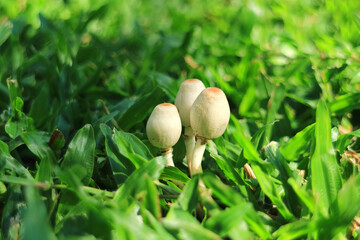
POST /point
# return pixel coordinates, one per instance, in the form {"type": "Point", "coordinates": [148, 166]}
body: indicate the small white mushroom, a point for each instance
{"type": "Point", "coordinates": [189, 90]}
{"type": "Point", "coordinates": [209, 117]}
{"type": "Point", "coordinates": [163, 129]}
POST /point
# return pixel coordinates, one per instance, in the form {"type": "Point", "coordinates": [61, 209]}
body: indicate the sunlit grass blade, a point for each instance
{"type": "Point", "coordinates": [297, 144]}
{"type": "Point", "coordinates": [326, 179]}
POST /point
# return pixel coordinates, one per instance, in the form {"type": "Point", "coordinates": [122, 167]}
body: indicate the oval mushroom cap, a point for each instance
{"type": "Point", "coordinates": [188, 92]}
{"type": "Point", "coordinates": [210, 113]}
{"type": "Point", "coordinates": [163, 127]}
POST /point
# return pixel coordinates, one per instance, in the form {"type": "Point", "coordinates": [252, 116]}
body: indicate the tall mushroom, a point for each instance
{"type": "Point", "coordinates": [209, 117]}
{"type": "Point", "coordinates": [163, 129]}
{"type": "Point", "coordinates": [189, 90]}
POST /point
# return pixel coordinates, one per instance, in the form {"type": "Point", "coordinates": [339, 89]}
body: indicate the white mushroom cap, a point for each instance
{"type": "Point", "coordinates": [210, 113]}
{"type": "Point", "coordinates": [164, 126]}
{"type": "Point", "coordinates": [188, 92]}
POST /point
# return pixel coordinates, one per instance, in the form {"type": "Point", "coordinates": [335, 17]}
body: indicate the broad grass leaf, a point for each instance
{"type": "Point", "coordinates": [347, 204]}
{"type": "Point", "coordinates": [14, 93]}
{"type": "Point", "coordinates": [36, 145]}
{"type": "Point", "coordinates": [140, 109]}
{"type": "Point", "coordinates": [189, 197]}
{"type": "Point", "coordinates": [13, 213]}
{"type": "Point", "coordinates": [345, 140]}
{"type": "Point", "coordinates": [225, 164]}
{"type": "Point", "coordinates": [121, 166]}
{"type": "Point", "coordinates": [231, 198]}
{"type": "Point", "coordinates": [298, 144]}
{"type": "Point", "coordinates": [40, 107]}
{"type": "Point", "coordinates": [295, 230]}
{"type": "Point", "coordinates": [81, 152]}
{"type": "Point", "coordinates": [36, 224]}
{"type": "Point", "coordinates": [345, 208]}
{"type": "Point", "coordinates": [269, 188]}
{"type": "Point", "coordinates": [275, 157]}
{"type": "Point", "coordinates": [5, 31]}
{"type": "Point", "coordinates": [167, 84]}
{"type": "Point", "coordinates": [135, 182]}
{"type": "Point", "coordinates": [326, 179]}
{"type": "Point", "coordinates": [10, 163]}
{"type": "Point", "coordinates": [224, 193]}
{"type": "Point", "coordinates": [233, 217]}
{"type": "Point", "coordinates": [4, 148]}
{"type": "Point", "coordinates": [69, 206]}
{"type": "Point", "coordinates": [155, 224]}
{"type": "Point", "coordinates": [127, 225]}
{"type": "Point", "coordinates": [19, 122]}
{"type": "Point", "coordinates": [261, 170]}
{"type": "Point", "coordinates": [151, 200]}
{"type": "Point", "coordinates": [3, 188]}
{"type": "Point", "coordinates": [129, 143]}
{"type": "Point", "coordinates": [345, 103]}
{"type": "Point", "coordinates": [275, 101]}
{"type": "Point", "coordinates": [305, 196]}
{"type": "Point", "coordinates": [174, 174]}
{"type": "Point", "coordinates": [248, 99]}
{"type": "Point", "coordinates": [14, 165]}
{"type": "Point", "coordinates": [187, 227]}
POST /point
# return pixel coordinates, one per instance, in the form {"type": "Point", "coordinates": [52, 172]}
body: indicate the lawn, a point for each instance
{"type": "Point", "coordinates": [79, 80]}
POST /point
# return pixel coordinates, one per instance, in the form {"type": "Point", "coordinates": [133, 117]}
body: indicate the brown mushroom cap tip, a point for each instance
{"type": "Point", "coordinates": [166, 105]}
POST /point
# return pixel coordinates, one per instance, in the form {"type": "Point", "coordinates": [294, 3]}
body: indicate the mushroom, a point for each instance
{"type": "Point", "coordinates": [163, 129]}
{"type": "Point", "coordinates": [189, 90]}
{"type": "Point", "coordinates": [209, 117]}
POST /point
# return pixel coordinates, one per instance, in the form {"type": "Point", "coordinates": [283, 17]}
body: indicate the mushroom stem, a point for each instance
{"type": "Point", "coordinates": [198, 155]}
{"type": "Point", "coordinates": [167, 154]}
{"type": "Point", "coordinates": [189, 139]}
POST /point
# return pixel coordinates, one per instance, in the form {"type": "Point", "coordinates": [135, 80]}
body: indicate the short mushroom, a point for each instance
{"type": "Point", "coordinates": [189, 90]}
{"type": "Point", "coordinates": [163, 129]}
{"type": "Point", "coordinates": [209, 117]}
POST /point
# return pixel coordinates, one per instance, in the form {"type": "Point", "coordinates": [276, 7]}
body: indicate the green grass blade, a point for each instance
{"type": "Point", "coordinates": [140, 109]}
{"type": "Point", "coordinates": [298, 144]}
{"type": "Point", "coordinates": [274, 104]}
{"type": "Point", "coordinates": [36, 227]}
{"type": "Point", "coordinates": [81, 153]}
{"type": "Point", "coordinates": [326, 179]}
{"type": "Point", "coordinates": [135, 182]}
{"type": "Point", "coordinates": [345, 103]}
{"type": "Point", "coordinates": [39, 147]}
{"type": "Point", "coordinates": [344, 140]}
{"type": "Point", "coordinates": [261, 170]}
{"type": "Point", "coordinates": [187, 227]}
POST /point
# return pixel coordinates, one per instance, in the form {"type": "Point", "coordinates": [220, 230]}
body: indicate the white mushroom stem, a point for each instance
{"type": "Point", "coordinates": [167, 154]}
{"type": "Point", "coordinates": [198, 155]}
{"type": "Point", "coordinates": [189, 139]}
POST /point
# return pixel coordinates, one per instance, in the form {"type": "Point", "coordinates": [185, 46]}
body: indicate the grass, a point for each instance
{"type": "Point", "coordinates": [78, 80]}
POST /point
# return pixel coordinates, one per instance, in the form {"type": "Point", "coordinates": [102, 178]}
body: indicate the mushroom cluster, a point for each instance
{"type": "Point", "coordinates": [204, 113]}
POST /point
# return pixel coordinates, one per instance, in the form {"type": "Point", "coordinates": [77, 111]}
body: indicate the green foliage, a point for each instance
{"type": "Point", "coordinates": [78, 80]}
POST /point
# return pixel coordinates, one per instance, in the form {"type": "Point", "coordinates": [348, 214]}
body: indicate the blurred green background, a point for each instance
{"type": "Point", "coordinates": [68, 54]}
